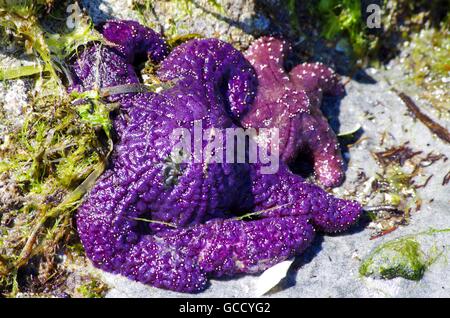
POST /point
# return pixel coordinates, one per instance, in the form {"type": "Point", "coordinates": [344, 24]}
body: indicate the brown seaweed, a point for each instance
{"type": "Point", "coordinates": [433, 126]}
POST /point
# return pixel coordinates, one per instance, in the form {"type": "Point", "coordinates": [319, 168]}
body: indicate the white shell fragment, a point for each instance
{"type": "Point", "coordinates": [271, 277]}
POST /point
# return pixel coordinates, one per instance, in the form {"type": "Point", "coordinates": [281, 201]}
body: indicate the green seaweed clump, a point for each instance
{"type": "Point", "coordinates": [23, 20]}
{"type": "Point", "coordinates": [56, 153]}
{"type": "Point", "coordinates": [343, 18]}
{"type": "Point", "coordinates": [343, 21]}
{"type": "Point", "coordinates": [403, 257]}
{"type": "Point", "coordinates": [398, 258]}
{"type": "Point", "coordinates": [92, 289]}
{"type": "Point", "coordinates": [398, 186]}
{"type": "Point", "coordinates": [55, 158]}
{"type": "Point", "coordinates": [429, 64]}
{"type": "Point", "coordinates": [395, 186]}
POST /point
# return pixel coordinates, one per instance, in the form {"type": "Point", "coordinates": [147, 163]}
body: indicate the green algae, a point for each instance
{"type": "Point", "coordinates": [58, 153]}
{"type": "Point", "coordinates": [293, 16]}
{"type": "Point", "coordinates": [92, 289]}
{"type": "Point", "coordinates": [22, 19]}
{"type": "Point", "coordinates": [54, 159]}
{"type": "Point", "coordinates": [403, 257]}
{"type": "Point", "coordinates": [342, 21]}
{"type": "Point", "coordinates": [342, 18]}
{"type": "Point", "coordinates": [395, 186]}
{"type": "Point", "coordinates": [399, 184]}
{"type": "Point", "coordinates": [429, 66]}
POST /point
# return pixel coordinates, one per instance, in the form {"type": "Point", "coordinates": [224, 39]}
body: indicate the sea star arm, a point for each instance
{"type": "Point", "coordinates": [317, 77]}
{"type": "Point", "coordinates": [319, 141]}
{"type": "Point", "coordinates": [285, 194]}
{"type": "Point", "coordinates": [267, 56]}
{"type": "Point", "coordinates": [134, 41]}
{"type": "Point", "coordinates": [101, 66]}
{"type": "Point", "coordinates": [183, 259]}
{"type": "Point", "coordinates": [225, 77]}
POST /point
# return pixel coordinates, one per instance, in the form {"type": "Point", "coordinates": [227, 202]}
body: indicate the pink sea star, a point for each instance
{"type": "Point", "coordinates": [291, 102]}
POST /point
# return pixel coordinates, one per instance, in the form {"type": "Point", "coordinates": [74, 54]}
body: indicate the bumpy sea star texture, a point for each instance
{"type": "Point", "coordinates": [174, 226]}
{"type": "Point", "coordinates": [291, 102]}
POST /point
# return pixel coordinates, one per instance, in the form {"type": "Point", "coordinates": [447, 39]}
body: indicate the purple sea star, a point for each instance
{"type": "Point", "coordinates": [291, 102]}
{"type": "Point", "coordinates": [191, 233]}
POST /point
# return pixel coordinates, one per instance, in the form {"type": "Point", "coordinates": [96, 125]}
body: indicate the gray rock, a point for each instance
{"type": "Point", "coordinates": [237, 22]}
